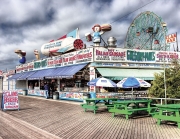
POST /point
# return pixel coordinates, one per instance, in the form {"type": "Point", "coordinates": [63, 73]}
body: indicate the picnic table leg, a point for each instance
{"type": "Point", "coordinates": [94, 111]}
{"type": "Point", "coordinates": [177, 115]}
{"type": "Point", "coordinates": [160, 114]}
{"type": "Point", "coordinates": [127, 116]}
{"type": "Point", "coordinates": [113, 114]}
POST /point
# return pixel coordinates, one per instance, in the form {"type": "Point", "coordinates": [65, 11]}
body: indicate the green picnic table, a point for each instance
{"type": "Point", "coordinates": [168, 112]}
{"type": "Point", "coordinates": [95, 103]}
{"type": "Point", "coordinates": [128, 107]}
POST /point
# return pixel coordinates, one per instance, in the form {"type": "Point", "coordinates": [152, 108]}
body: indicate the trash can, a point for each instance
{"type": "Point", "coordinates": [55, 95]}
{"type": "Point", "coordinates": [24, 92]}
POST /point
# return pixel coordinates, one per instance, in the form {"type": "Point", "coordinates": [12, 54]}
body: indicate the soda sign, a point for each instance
{"type": "Point", "coordinates": [10, 100]}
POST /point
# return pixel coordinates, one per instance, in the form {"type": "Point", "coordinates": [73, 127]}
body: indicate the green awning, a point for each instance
{"type": "Point", "coordinates": [119, 74]}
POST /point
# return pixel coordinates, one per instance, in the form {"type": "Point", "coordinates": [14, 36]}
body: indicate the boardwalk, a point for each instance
{"type": "Point", "coordinates": [39, 118]}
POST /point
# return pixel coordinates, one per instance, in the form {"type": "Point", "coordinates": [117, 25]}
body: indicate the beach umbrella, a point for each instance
{"type": "Point", "coordinates": [132, 82]}
{"type": "Point", "coordinates": [104, 82]}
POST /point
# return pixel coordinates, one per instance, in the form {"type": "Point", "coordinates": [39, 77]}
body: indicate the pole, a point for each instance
{"type": "Point", "coordinates": [177, 42]}
{"type": "Point", "coordinates": [165, 81]}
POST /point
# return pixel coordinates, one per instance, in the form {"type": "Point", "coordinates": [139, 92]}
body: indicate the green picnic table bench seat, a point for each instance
{"type": "Point", "coordinates": [168, 112]}
{"type": "Point", "coordinates": [90, 107]}
{"type": "Point", "coordinates": [123, 107]}
{"type": "Point", "coordinates": [95, 103]}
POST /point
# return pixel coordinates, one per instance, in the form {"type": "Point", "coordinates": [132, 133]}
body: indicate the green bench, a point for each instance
{"type": "Point", "coordinates": [168, 112]}
{"type": "Point", "coordinates": [90, 107]}
{"type": "Point", "coordinates": [129, 111]}
{"type": "Point", "coordinates": [95, 103]}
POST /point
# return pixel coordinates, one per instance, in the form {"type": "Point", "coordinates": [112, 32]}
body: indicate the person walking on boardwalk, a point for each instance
{"type": "Point", "coordinates": [47, 88]}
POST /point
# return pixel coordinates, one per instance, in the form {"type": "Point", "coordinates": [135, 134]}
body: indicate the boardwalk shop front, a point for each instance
{"type": "Point", "coordinates": [71, 72]}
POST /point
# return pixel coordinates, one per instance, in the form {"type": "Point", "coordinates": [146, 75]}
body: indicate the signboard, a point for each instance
{"type": "Point", "coordinates": [10, 100]}
{"type": "Point", "coordinates": [114, 55]}
{"type": "Point", "coordinates": [37, 92]}
{"type": "Point", "coordinates": [72, 58]}
{"type": "Point", "coordinates": [106, 56]}
{"type": "Point", "coordinates": [171, 38]}
{"type": "Point", "coordinates": [71, 96]}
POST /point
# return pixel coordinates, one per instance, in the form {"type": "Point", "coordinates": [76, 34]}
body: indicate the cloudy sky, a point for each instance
{"type": "Point", "coordinates": [28, 24]}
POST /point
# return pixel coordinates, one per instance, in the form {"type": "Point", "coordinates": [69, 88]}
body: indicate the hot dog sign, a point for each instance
{"type": "Point", "coordinates": [98, 31]}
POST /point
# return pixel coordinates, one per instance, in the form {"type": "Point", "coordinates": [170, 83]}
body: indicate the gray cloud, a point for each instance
{"type": "Point", "coordinates": [27, 25]}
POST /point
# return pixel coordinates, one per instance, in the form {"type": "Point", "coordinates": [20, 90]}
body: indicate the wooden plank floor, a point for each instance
{"type": "Point", "coordinates": [43, 118]}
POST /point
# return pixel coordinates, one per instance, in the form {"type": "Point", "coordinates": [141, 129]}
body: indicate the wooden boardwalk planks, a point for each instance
{"type": "Point", "coordinates": [66, 120]}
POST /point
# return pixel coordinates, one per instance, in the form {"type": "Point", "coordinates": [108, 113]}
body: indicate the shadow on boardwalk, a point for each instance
{"type": "Point", "coordinates": [39, 118]}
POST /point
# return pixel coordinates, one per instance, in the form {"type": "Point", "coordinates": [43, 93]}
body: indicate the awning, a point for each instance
{"type": "Point", "coordinates": [40, 74]}
{"type": "Point", "coordinates": [26, 75]}
{"type": "Point", "coordinates": [15, 76]}
{"type": "Point", "coordinates": [119, 74]}
{"type": "Point", "coordinates": [66, 72]}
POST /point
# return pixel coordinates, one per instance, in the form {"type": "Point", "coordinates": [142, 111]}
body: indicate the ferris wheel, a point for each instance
{"type": "Point", "coordinates": [148, 32]}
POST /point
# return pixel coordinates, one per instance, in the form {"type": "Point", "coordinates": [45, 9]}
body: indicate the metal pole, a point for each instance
{"type": "Point", "coordinates": [165, 81]}
{"type": "Point", "coordinates": [177, 42]}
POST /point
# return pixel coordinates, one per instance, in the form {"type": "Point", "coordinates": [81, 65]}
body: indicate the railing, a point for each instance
{"type": "Point", "coordinates": [137, 95]}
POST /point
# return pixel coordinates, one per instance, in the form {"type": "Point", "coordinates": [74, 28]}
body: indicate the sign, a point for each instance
{"type": "Point", "coordinates": [110, 56]}
{"type": "Point", "coordinates": [92, 74]}
{"type": "Point", "coordinates": [171, 38]}
{"type": "Point", "coordinates": [1, 73]}
{"type": "Point", "coordinates": [37, 92]}
{"type": "Point", "coordinates": [72, 58]}
{"type": "Point", "coordinates": [11, 72]}
{"type": "Point", "coordinates": [10, 100]}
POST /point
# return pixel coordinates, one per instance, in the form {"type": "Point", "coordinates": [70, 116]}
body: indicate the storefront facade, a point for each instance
{"type": "Point", "coordinates": [72, 71]}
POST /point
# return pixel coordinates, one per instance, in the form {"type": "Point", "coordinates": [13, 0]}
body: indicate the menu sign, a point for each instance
{"type": "Point", "coordinates": [10, 100]}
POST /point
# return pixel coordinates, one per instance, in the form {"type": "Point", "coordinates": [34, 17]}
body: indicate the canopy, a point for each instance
{"type": "Point", "coordinates": [132, 82]}
{"type": "Point", "coordinates": [101, 82]}
{"type": "Point", "coordinates": [40, 74]}
{"type": "Point", "coordinates": [15, 76]}
{"type": "Point", "coordinates": [67, 71]}
{"type": "Point", "coordinates": [119, 74]}
{"type": "Point", "coordinates": [26, 75]}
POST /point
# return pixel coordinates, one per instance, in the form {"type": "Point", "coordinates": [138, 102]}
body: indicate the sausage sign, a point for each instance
{"type": "Point", "coordinates": [10, 100]}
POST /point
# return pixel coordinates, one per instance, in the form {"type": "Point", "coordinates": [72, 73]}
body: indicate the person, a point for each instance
{"type": "Point", "coordinates": [52, 86]}
{"type": "Point", "coordinates": [30, 86]}
{"type": "Point", "coordinates": [47, 88]}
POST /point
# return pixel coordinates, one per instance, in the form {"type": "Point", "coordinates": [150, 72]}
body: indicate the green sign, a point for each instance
{"type": "Point", "coordinates": [140, 56]}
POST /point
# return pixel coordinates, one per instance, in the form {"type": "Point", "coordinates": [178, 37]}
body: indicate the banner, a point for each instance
{"type": "Point", "coordinates": [171, 38]}
{"type": "Point", "coordinates": [10, 100]}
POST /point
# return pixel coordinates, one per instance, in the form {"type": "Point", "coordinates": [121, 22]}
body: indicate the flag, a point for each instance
{"type": "Point", "coordinates": [171, 38]}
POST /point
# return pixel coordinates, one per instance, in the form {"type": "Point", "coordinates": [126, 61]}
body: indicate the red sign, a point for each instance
{"type": "Point", "coordinates": [10, 100]}
{"type": "Point", "coordinates": [171, 38]}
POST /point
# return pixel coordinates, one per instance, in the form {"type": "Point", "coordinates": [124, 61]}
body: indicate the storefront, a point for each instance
{"type": "Point", "coordinates": [73, 70]}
